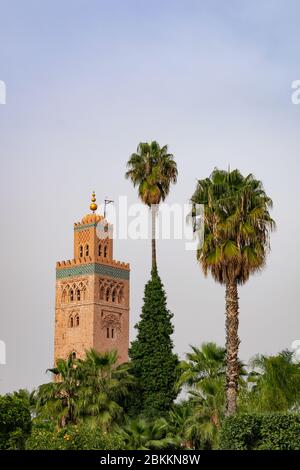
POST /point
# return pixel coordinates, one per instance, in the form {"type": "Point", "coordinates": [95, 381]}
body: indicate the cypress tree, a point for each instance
{"type": "Point", "coordinates": [154, 364]}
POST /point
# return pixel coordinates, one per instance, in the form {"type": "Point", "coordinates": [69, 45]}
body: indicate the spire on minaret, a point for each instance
{"type": "Point", "coordinates": [92, 293]}
{"type": "Point", "coordinates": [93, 205]}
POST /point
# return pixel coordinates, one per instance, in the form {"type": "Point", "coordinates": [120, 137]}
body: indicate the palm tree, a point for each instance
{"type": "Point", "coordinates": [103, 386]}
{"type": "Point", "coordinates": [28, 398]}
{"type": "Point", "coordinates": [178, 418]}
{"type": "Point", "coordinates": [237, 224]}
{"type": "Point", "coordinates": [209, 361]}
{"type": "Point", "coordinates": [140, 434]}
{"type": "Point", "coordinates": [152, 169]}
{"type": "Point", "coordinates": [207, 401]}
{"type": "Point", "coordinates": [274, 384]}
{"type": "Point", "coordinates": [59, 400]}
{"type": "Point", "coordinates": [89, 389]}
{"type": "Point", "coordinates": [203, 375]}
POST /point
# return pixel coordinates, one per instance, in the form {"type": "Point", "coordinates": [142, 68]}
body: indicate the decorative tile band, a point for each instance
{"type": "Point", "coordinates": [84, 227]}
{"type": "Point", "coordinates": [93, 268]}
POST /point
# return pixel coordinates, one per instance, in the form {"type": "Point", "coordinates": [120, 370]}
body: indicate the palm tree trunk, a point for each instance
{"type": "Point", "coordinates": [232, 347]}
{"type": "Point", "coordinates": [153, 215]}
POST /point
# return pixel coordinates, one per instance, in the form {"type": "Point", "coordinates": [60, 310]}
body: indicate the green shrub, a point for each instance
{"type": "Point", "coordinates": [81, 437]}
{"type": "Point", "coordinates": [44, 438]}
{"type": "Point", "coordinates": [280, 432]}
{"type": "Point", "coordinates": [15, 422]}
{"type": "Point", "coordinates": [276, 431]}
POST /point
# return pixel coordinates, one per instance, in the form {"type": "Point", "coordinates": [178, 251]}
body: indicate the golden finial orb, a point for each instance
{"type": "Point", "coordinates": [93, 205]}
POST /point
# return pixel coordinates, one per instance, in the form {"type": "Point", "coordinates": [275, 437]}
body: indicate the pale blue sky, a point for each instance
{"type": "Point", "coordinates": [86, 81]}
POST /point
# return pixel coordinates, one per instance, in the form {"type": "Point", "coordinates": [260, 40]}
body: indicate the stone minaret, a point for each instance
{"type": "Point", "coordinates": [92, 294]}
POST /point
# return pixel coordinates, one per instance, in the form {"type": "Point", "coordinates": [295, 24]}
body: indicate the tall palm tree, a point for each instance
{"type": "Point", "coordinates": [237, 224]}
{"type": "Point", "coordinates": [152, 168]}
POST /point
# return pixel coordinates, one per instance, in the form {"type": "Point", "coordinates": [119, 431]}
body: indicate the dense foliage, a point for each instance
{"type": "Point", "coordinates": [87, 408]}
{"type": "Point", "coordinates": [152, 359]}
{"type": "Point", "coordinates": [85, 390]}
{"type": "Point", "coordinates": [81, 437]}
{"type": "Point", "coordinates": [273, 384]}
{"type": "Point", "coordinates": [261, 432]}
{"type": "Point", "coordinates": [142, 434]}
{"type": "Point", "coordinates": [15, 422]}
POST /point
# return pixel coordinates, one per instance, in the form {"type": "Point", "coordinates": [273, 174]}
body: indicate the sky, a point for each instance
{"type": "Point", "coordinates": [86, 81]}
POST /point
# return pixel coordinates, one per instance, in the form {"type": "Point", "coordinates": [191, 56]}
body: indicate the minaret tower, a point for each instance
{"type": "Point", "coordinates": [92, 293]}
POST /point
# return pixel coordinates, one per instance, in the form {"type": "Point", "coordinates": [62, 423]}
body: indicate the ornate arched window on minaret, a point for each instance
{"type": "Point", "coordinates": [107, 294]}
{"type": "Point", "coordinates": [97, 288]}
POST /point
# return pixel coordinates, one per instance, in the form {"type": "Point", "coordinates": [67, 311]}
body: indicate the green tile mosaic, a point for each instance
{"type": "Point", "coordinates": [84, 227]}
{"type": "Point", "coordinates": [92, 268]}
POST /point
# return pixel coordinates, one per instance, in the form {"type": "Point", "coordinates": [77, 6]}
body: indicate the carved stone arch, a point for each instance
{"type": "Point", "coordinates": [114, 294]}
{"type": "Point", "coordinates": [64, 296]}
{"type": "Point", "coordinates": [106, 285]}
{"type": "Point", "coordinates": [101, 291]}
{"type": "Point", "coordinates": [74, 354]}
{"type": "Point", "coordinates": [107, 294]}
{"type": "Point", "coordinates": [71, 295]}
{"type": "Point", "coordinates": [121, 294]}
{"type": "Point", "coordinates": [83, 293]}
{"type": "Point", "coordinates": [72, 317]}
{"type": "Point", "coordinates": [78, 294]}
{"type": "Point", "coordinates": [111, 320]}
{"type": "Point", "coordinates": [105, 249]}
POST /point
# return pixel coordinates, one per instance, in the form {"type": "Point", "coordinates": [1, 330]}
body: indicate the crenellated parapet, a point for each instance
{"type": "Point", "coordinates": [73, 262]}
